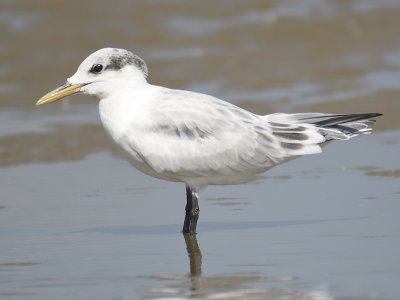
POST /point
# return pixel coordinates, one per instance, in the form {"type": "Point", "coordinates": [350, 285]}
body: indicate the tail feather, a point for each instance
{"type": "Point", "coordinates": [342, 127]}
{"type": "Point", "coordinates": [331, 126]}
{"type": "Point", "coordinates": [328, 120]}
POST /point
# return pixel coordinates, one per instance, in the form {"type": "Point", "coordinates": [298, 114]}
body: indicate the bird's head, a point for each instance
{"type": "Point", "coordinates": [100, 74]}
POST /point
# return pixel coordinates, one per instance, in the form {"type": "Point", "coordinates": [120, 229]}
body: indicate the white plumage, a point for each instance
{"type": "Point", "coordinates": [191, 137]}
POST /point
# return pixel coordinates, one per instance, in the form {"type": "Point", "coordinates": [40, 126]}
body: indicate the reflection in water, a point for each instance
{"type": "Point", "coordinates": [195, 258]}
{"type": "Point", "coordinates": [232, 286]}
{"type": "Point", "coordinates": [194, 253]}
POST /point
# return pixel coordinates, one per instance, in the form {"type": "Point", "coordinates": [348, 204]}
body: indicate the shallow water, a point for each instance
{"type": "Point", "coordinates": [77, 222]}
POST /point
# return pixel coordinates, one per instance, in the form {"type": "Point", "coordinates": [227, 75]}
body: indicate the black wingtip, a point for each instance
{"type": "Point", "coordinates": [343, 119]}
{"type": "Point", "coordinates": [371, 115]}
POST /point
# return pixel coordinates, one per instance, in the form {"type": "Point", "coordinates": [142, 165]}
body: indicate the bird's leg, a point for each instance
{"type": "Point", "coordinates": [192, 211]}
{"type": "Point", "coordinates": [186, 223]}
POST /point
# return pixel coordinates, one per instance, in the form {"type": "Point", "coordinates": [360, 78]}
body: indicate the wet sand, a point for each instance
{"type": "Point", "coordinates": [78, 222]}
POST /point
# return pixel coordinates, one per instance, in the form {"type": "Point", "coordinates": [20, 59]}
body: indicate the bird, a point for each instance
{"type": "Point", "coordinates": [195, 138]}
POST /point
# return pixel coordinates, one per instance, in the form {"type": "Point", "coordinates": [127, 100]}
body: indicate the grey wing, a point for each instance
{"type": "Point", "coordinates": [195, 135]}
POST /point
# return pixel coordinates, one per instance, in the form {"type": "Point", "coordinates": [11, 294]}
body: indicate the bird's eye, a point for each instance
{"type": "Point", "coordinates": [96, 68]}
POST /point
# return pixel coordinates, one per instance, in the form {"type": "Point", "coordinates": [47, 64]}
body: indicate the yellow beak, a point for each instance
{"type": "Point", "coordinates": [59, 93]}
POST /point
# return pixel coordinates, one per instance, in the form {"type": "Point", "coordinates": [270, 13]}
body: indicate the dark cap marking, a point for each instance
{"type": "Point", "coordinates": [121, 58]}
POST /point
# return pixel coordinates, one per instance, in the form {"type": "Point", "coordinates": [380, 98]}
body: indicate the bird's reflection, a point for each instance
{"type": "Point", "coordinates": [195, 258]}
{"type": "Point", "coordinates": [194, 254]}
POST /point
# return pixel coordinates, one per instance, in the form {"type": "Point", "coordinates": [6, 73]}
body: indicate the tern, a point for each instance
{"type": "Point", "coordinates": [195, 138]}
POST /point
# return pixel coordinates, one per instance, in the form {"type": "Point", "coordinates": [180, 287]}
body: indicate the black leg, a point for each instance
{"type": "Point", "coordinates": [186, 223]}
{"type": "Point", "coordinates": [192, 211]}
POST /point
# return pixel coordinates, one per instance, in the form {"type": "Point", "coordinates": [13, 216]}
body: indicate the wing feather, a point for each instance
{"type": "Point", "coordinates": [196, 135]}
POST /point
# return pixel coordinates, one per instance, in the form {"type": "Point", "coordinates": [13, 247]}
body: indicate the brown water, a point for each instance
{"type": "Point", "coordinates": [77, 222]}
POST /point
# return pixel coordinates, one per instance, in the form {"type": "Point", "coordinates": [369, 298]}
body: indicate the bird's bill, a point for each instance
{"type": "Point", "coordinates": [60, 92]}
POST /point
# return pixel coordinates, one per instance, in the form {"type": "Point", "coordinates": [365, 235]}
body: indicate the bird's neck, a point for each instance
{"type": "Point", "coordinates": [125, 109]}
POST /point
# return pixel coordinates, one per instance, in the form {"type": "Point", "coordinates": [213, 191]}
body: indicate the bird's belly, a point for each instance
{"type": "Point", "coordinates": [145, 168]}
{"type": "Point", "coordinates": [141, 163]}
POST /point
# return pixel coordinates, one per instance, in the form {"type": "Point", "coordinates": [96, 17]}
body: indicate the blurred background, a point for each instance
{"type": "Point", "coordinates": [333, 56]}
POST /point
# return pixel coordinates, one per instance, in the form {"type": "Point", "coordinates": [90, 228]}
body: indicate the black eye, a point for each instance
{"type": "Point", "coordinates": [96, 68]}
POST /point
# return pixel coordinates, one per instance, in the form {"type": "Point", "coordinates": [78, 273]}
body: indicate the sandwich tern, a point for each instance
{"type": "Point", "coordinates": [195, 138]}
